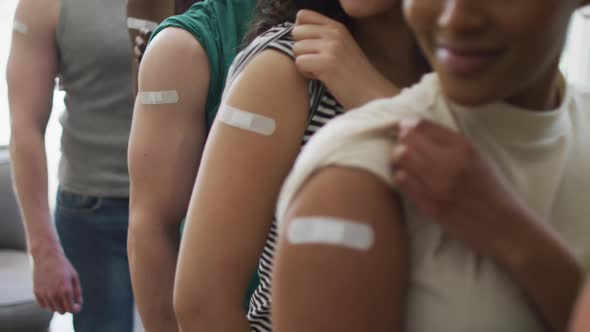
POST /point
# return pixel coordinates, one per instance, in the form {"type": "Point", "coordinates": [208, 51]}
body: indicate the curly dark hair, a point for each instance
{"type": "Point", "coordinates": [272, 12]}
{"type": "Point", "coordinates": [267, 14]}
{"type": "Point", "coordinates": [181, 6]}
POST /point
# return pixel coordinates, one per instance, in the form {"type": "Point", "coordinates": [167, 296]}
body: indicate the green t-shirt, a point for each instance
{"type": "Point", "coordinates": [219, 26]}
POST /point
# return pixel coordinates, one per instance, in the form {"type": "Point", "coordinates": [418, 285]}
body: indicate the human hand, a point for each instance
{"type": "Point", "coordinates": [443, 174]}
{"type": "Point", "coordinates": [56, 283]}
{"type": "Point", "coordinates": [141, 43]}
{"type": "Point", "coordinates": [326, 51]}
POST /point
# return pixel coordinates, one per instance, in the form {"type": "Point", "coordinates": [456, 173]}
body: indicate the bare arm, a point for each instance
{"type": "Point", "coordinates": [581, 318]}
{"type": "Point", "coordinates": [233, 201]}
{"type": "Point", "coordinates": [463, 188]}
{"type": "Point", "coordinates": [548, 271]}
{"type": "Point", "coordinates": [32, 68]}
{"type": "Point", "coordinates": [324, 288]}
{"type": "Point", "coordinates": [164, 153]}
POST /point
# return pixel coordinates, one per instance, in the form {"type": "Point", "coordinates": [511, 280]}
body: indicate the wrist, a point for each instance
{"type": "Point", "coordinates": [531, 246]}
{"type": "Point", "coordinates": [45, 246]}
{"type": "Point", "coordinates": [515, 247]}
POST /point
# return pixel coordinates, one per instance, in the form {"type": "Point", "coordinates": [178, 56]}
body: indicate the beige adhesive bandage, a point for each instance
{"type": "Point", "coordinates": [20, 27]}
{"type": "Point", "coordinates": [247, 121]}
{"type": "Point", "coordinates": [331, 231]}
{"type": "Point", "coordinates": [158, 97]}
{"type": "Point", "coordinates": [138, 24]}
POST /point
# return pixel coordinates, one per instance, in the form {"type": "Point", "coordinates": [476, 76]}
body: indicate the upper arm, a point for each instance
{"type": "Point", "coordinates": [33, 64]}
{"type": "Point", "coordinates": [581, 318]}
{"type": "Point", "coordinates": [167, 140]}
{"type": "Point", "coordinates": [240, 176]}
{"type": "Point", "coordinates": [320, 287]}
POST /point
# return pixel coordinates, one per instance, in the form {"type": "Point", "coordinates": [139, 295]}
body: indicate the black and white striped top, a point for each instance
{"type": "Point", "coordinates": [323, 108]}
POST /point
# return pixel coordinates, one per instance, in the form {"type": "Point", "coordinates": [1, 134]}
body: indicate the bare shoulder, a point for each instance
{"type": "Point", "coordinates": [38, 17]}
{"type": "Point", "coordinates": [174, 48]}
{"type": "Point", "coordinates": [270, 78]}
{"type": "Point", "coordinates": [174, 59]}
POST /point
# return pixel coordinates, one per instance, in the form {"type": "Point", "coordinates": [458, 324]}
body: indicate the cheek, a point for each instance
{"type": "Point", "coordinates": [421, 16]}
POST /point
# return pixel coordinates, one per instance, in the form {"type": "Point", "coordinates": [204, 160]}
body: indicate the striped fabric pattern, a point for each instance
{"type": "Point", "coordinates": [323, 108]}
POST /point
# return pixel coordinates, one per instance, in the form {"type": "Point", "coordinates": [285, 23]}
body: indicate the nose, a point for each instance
{"type": "Point", "coordinates": [462, 16]}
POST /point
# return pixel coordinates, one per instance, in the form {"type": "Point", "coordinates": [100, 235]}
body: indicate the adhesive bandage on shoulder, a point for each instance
{"type": "Point", "coordinates": [247, 121]}
{"type": "Point", "coordinates": [138, 24]}
{"type": "Point", "coordinates": [20, 27]}
{"type": "Point", "coordinates": [158, 97]}
{"type": "Point", "coordinates": [331, 231]}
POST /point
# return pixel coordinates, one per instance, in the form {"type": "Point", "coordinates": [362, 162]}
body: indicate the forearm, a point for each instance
{"type": "Point", "coordinates": [372, 87]}
{"type": "Point", "coordinates": [29, 166]}
{"type": "Point", "coordinates": [212, 320]}
{"type": "Point", "coordinates": [153, 250]}
{"type": "Point", "coordinates": [549, 273]}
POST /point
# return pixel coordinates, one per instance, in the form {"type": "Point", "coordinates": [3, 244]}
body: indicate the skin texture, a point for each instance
{"type": "Point", "coordinates": [31, 72]}
{"type": "Point", "coordinates": [581, 319]}
{"type": "Point", "coordinates": [531, 29]}
{"type": "Point", "coordinates": [525, 39]}
{"type": "Point", "coordinates": [164, 154]}
{"type": "Point", "coordinates": [331, 275]}
{"type": "Point", "coordinates": [240, 160]}
{"type": "Point", "coordinates": [235, 194]}
{"type": "Point", "coordinates": [325, 50]}
{"type": "Point", "coordinates": [462, 186]}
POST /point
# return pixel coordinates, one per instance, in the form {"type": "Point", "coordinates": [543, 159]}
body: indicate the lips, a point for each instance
{"type": "Point", "coordinates": [466, 61]}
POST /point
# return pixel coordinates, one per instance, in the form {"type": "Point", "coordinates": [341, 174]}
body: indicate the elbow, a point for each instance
{"type": "Point", "coordinates": [182, 309]}
{"type": "Point", "coordinates": [189, 310]}
{"type": "Point", "coordinates": [147, 232]}
{"type": "Point", "coordinates": [201, 307]}
{"type": "Point", "coordinates": [194, 309]}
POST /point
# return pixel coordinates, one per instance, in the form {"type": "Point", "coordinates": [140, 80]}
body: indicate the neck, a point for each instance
{"type": "Point", "coordinates": [389, 44]}
{"type": "Point", "coordinates": [546, 94]}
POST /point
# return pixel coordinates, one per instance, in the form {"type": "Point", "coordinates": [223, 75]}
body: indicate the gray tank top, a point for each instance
{"type": "Point", "coordinates": [95, 73]}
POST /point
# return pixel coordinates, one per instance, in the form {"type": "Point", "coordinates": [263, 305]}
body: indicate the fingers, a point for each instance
{"type": "Point", "coordinates": [439, 135]}
{"type": "Point", "coordinates": [77, 291]}
{"type": "Point", "coordinates": [311, 64]}
{"type": "Point", "coordinates": [413, 189]}
{"type": "Point", "coordinates": [66, 298]}
{"type": "Point", "coordinates": [41, 299]}
{"type": "Point", "coordinates": [308, 46]}
{"type": "Point", "coordinates": [145, 33]}
{"type": "Point", "coordinates": [307, 31]}
{"type": "Point", "coordinates": [55, 304]}
{"type": "Point", "coordinates": [140, 46]}
{"type": "Point", "coordinates": [306, 16]}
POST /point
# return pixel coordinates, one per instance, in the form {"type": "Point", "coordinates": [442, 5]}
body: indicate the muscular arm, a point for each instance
{"type": "Point", "coordinates": [31, 72]}
{"type": "Point", "coordinates": [324, 288]}
{"type": "Point", "coordinates": [233, 201]}
{"type": "Point", "coordinates": [164, 153]}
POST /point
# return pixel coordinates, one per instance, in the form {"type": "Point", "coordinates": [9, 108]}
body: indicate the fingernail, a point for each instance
{"type": "Point", "coordinates": [398, 152]}
{"type": "Point", "coordinates": [408, 122]}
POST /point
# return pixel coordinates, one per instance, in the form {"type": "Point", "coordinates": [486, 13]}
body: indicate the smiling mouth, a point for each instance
{"type": "Point", "coordinates": [466, 61]}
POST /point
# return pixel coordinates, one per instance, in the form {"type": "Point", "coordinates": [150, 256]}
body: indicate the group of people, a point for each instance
{"type": "Point", "coordinates": [444, 190]}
